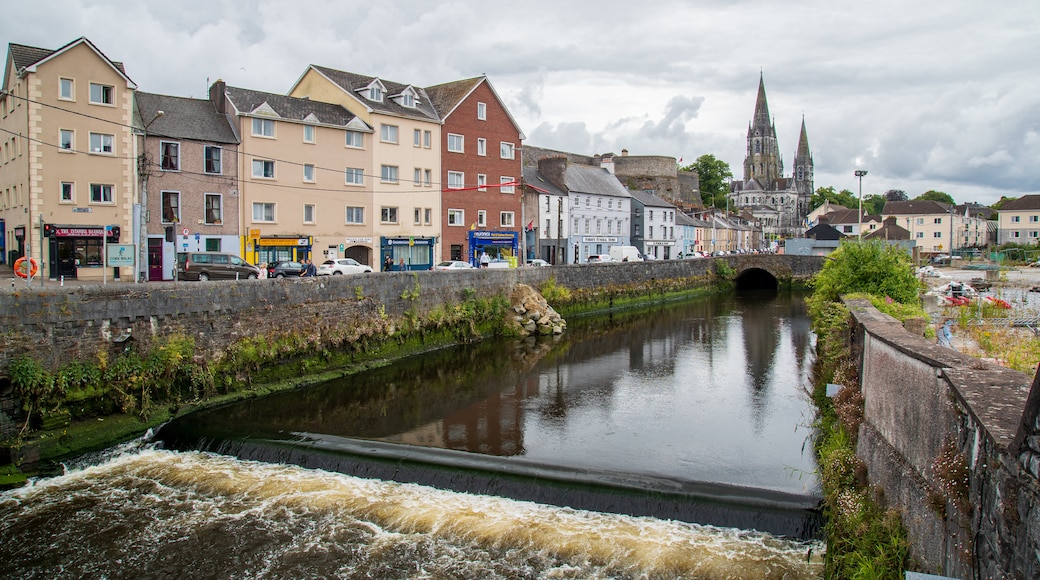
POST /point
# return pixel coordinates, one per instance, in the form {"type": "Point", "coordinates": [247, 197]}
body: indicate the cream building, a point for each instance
{"type": "Point", "coordinates": [68, 168]}
{"type": "Point", "coordinates": [934, 224]}
{"type": "Point", "coordinates": [404, 187]}
{"type": "Point", "coordinates": [1018, 221]}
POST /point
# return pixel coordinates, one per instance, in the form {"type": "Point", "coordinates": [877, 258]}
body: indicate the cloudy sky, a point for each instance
{"type": "Point", "coordinates": [930, 94]}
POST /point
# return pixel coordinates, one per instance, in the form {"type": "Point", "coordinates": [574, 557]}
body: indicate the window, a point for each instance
{"type": "Point", "coordinates": [169, 156]}
{"type": "Point", "coordinates": [101, 193]}
{"type": "Point", "coordinates": [481, 182]}
{"type": "Point", "coordinates": [482, 111]}
{"type": "Point", "coordinates": [455, 143]}
{"type": "Point", "coordinates": [263, 212]}
{"type": "Point", "coordinates": [417, 177]}
{"type": "Point", "coordinates": [388, 133]}
{"type": "Point", "coordinates": [308, 133]}
{"type": "Point", "coordinates": [263, 127]}
{"type": "Point", "coordinates": [65, 90]}
{"type": "Point", "coordinates": [1015, 219]}
{"type": "Point", "coordinates": [506, 188]}
{"type": "Point", "coordinates": [427, 177]}
{"type": "Point", "coordinates": [427, 138]}
{"type": "Point", "coordinates": [101, 143]}
{"type": "Point", "coordinates": [506, 150]}
{"type": "Point", "coordinates": [355, 215]}
{"type": "Point", "coordinates": [388, 174]}
{"type": "Point", "coordinates": [417, 138]}
{"type": "Point", "coordinates": [936, 234]}
{"type": "Point", "coordinates": [355, 139]}
{"type": "Point", "coordinates": [1016, 234]}
{"type": "Point", "coordinates": [214, 209]}
{"type": "Point", "coordinates": [68, 140]}
{"type": "Point", "coordinates": [171, 207]}
{"type": "Point", "coordinates": [920, 235]}
{"type": "Point", "coordinates": [68, 192]}
{"type": "Point", "coordinates": [1033, 218]}
{"type": "Point", "coordinates": [920, 221]}
{"type": "Point", "coordinates": [587, 229]}
{"type": "Point", "coordinates": [456, 179]}
{"type": "Point", "coordinates": [418, 216]}
{"type": "Point", "coordinates": [388, 215]}
{"type": "Point", "coordinates": [456, 217]}
{"type": "Point", "coordinates": [936, 220]}
{"type": "Point", "coordinates": [375, 93]}
{"type": "Point", "coordinates": [355, 176]}
{"type": "Point", "coordinates": [408, 100]}
{"type": "Point", "coordinates": [427, 215]}
{"type": "Point", "coordinates": [101, 94]}
{"type": "Point", "coordinates": [481, 146]}
{"type": "Point", "coordinates": [213, 245]}
{"type": "Point", "coordinates": [308, 213]}
{"type": "Point", "coordinates": [308, 172]}
{"type": "Point", "coordinates": [482, 218]}
{"type": "Point", "coordinates": [263, 168]}
{"type": "Point", "coordinates": [213, 157]}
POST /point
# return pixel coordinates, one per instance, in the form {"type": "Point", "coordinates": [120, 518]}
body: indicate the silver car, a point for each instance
{"type": "Point", "coordinates": [342, 266]}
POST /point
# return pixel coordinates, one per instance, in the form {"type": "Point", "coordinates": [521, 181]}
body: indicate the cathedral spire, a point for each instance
{"type": "Point", "coordinates": [763, 162]}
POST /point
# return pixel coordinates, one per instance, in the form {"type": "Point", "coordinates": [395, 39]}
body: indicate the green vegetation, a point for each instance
{"type": "Point", "coordinates": [844, 198]}
{"type": "Point", "coordinates": [713, 175]}
{"type": "Point", "coordinates": [932, 195]}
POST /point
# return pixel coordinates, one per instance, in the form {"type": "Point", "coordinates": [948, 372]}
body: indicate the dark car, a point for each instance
{"type": "Point", "coordinates": [285, 268]}
{"type": "Point", "coordinates": [204, 266]}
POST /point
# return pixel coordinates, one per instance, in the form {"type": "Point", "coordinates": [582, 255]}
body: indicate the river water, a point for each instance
{"type": "Point", "coordinates": [630, 419]}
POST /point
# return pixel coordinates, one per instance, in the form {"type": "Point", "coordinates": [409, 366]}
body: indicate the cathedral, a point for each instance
{"type": "Point", "coordinates": [779, 202]}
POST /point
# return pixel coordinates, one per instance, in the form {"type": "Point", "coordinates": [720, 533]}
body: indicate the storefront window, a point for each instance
{"type": "Point", "coordinates": [87, 252]}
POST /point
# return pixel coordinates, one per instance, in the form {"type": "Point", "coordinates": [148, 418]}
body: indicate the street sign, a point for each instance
{"type": "Point", "coordinates": [120, 255]}
{"type": "Point", "coordinates": [185, 231]}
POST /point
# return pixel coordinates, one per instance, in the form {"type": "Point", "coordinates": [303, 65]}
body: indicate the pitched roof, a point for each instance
{"type": "Point", "coordinates": [1026, 202]}
{"type": "Point", "coordinates": [445, 97]}
{"type": "Point", "coordinates": [26, 56]}
{"type": "Point", "coordinates": [183, 118]}
{"type": "Point", "coordinates": [848, 216]}
{"type": "Point", "coordinates": [352, 83]}
{"type": "Point", "coordinates": [293, 108]}
{"type": "Point", "coordinates": [976, 210]}
{"type": "Point", "coordinates": [916, 207]}
{"type": "Point", "coordinates": [595, 180]}
{"type": "Point", "coordinates": [648, 199]}
{"type": "Point", "coordinates": [889, 230]}
{"type": "Point", "coordinates": [535, 180]}
{"type": "Point", "coordinates": [823, 232]}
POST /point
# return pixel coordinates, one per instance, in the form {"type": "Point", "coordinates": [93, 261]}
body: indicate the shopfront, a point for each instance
{"type": "Point", "coordinates": [73, 248]}
{"type": "Point", "coordinates": [272, 249]}
{"type": "Point", "coordinates": [498, 245]}
{"type": "Point", "coordinates": [407, 253]}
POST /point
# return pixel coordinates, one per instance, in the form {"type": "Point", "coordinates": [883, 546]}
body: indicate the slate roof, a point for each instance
{"type": "Point", "coordinates": [1024, 203]}
{"type": "Point", "coordinates": [445, 97]}
{"type": "Point", "coordinates": [292, 108]}
{"type": "Point", "coordinates": [24, 55]}
{"type": "Point", "coordinates": [889, 230]}
{"type": "Point", "coordinates": [594, 180]}
{"type": "Point", "coordinates": [824, 232]}
{"type": "Point", "coordinates": [918, 207]}
{"type": "Point", "coordinates": [535, 179]}
{"type": "Point", "coordinates": [351, 82]}
{"type": "Point", "coordinates": [183, 118]}
{"type": "Point", "coordinates": [849, 216]}
{"type": "Point", "coordinates": [685, 220]}
{"type": "Point", "coordinates": [976, 210]}
{"type": "Point", "coordinates": [648, 199]}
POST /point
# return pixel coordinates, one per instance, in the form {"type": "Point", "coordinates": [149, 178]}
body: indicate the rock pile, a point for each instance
{"type": "Point", "coordinates": [533, 313]}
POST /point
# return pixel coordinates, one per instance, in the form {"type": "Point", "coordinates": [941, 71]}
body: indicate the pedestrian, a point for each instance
{"type": "Point", "coordinates": [263, 271]}
{"type": "Point", "coordinates": [308, 269]}
{"type": "Point", "coordinates": [400, 264]}
{"type": "Point", "coordinates": [484, 260]}
{"type": "Point", "coordinates": [388, 263]}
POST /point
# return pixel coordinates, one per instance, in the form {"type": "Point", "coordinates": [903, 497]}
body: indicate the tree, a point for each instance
{"type": "Point", "coordinates": [1003, 199]}
{"type": "Point", "coordinates": [843, 198]}
{"type": "Point", "coordinates": [874, 204]}
{"type": "Point", "coordinates": [932, 195]}
{"type": "Point", "coordinates": [896, 195]}
{"type": "Point", "coordinates": [713, 174]}
{"type": "Point", "coordinates": [872, 267]}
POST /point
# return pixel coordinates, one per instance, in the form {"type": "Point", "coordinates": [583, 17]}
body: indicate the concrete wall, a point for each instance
{"type": "Point", "coordinates": [917, 396]}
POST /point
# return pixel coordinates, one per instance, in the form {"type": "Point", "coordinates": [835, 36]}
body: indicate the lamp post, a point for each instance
{"type": "Point", "coordinates": [860, 173]}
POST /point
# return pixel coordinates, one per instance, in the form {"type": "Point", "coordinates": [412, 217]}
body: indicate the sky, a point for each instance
{"type": "Point", "coordinates": [930, 94]}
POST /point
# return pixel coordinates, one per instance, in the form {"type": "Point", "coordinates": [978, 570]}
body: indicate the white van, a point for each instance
{"type": "Point", "coordinates": [625, 254]}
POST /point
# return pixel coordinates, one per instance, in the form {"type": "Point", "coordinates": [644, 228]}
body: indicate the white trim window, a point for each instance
{"type": "Point", "coordinates": [101, 193]}
{"type": "Point", "coordinates": [427, 215]}
{"type": "Point", "coordinates": [308, 133]}
{"type": "Point", "coordinates": [456, 180]}
{"type": "Point", "coordinates": [507, 150]}
{"type": "Point", "coordinates": [171, 207]}
{"type": "Point", "coordinates": [417, 137]}
{"type": "Point", "coordinates": [170, 155]}
{"type": "Point", "coordinates": [102, 143]}
{"type": "Point", "coordinates": [355, 139]}
{"type": "Point", "coordinates": [388, 215]}
{"type": "Point", "coordinates": [67, 140]}
{"type": "Point", "coordinates": [214, 155]}
{"type": "Point", "coordinates": [456, 143]}
{"type": "Point", "coordinates": [427, 139]}
{"type": "Point", "coordinates": [481, 182]}
{"type": "Point", "coordinates": [482, 218]}
{"type": "Point", "coordinates": [481, 111]}
{"type": "Point", "coordinates": [263, 127]}
{"type": "Point", "coordinates": [102, 94]}
{"type": "Point", "coordinates": [214, 209]}
{"type": "Point", "coordinates": [263, 212]}
{"type": "Point", "coordinates": [417, 177]}
{"type": "Point", "coordinates": [263, 168]}
{"type": "Point", "coordinates": [354, 176]}
{"type": "Point", "coordinates": [427, 177]}
{"type": "Point", "coordinates": [418, 216]}
{"type": "Point", "coordinates": [1016, 219]}
{"type": "Point", "coordinates": [355, 215]}
{"type": "Point", "coordinates": [68, 192]}
{"type": "Point", "coordinates": [456, 217]}
{"type": "Point", "coordinates": [388, 133]}
{"type": "Point", "coordinates": [66, 89]}
{"type": "Point", "coordinates": [506, 188]}
{"type": "Point", "coordinates": [308, 213]}
{"type": "Point", "coordinates": [482, 146]}
{"type": "Point", "coordinates": [388, 174]}
{"type": "Point", "coordinates": [308, 172]}
{"type": "Point", "coordinates": [507, 219]}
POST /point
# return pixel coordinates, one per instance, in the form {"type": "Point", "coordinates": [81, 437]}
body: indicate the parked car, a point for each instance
{"type": "Point", "coordinates": [341, 266]}
{"type": "Point", "coordinates": [538, 263]}
{"type": "Point", "coordinates": [598, 258]}
{"type": "Point", "coordinates": [285, 268]}
{"type": "Point", "coordinates": [498, 263]}
{"type": "Point", "coordinates": [452, 265]}
{"type": "Point", "coordinates": [204, 266]}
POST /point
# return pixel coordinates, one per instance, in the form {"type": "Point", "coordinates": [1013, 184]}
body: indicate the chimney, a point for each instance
{"type": "Point", "coordinates": [554, 169]}
{"type": "Point", "coordinates": [624, 152]}
{"type": "Point", "coordinates": [216, 95]}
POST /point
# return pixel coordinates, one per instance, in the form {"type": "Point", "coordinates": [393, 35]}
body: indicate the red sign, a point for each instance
{"type": "Point", "coordinates": [55, 231]}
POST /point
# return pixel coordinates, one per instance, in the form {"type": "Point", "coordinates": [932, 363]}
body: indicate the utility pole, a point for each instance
{"type": "Point", "coordinates": [860, 173]}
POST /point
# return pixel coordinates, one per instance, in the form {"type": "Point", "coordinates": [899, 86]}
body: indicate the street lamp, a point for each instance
{"type": "Point", "coordinates": [860, 173]}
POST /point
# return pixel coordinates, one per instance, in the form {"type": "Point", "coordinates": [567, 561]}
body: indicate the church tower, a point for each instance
{"type": "Point", "coordinates": [762, 162]}
{"type": "Point", "coordinates": [803, 168]}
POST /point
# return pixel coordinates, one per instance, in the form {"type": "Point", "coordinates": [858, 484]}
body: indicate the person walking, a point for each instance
{"type": "Point", "coordinates": [263, 271]}
{"type": "Point", "coordinates": [388, 263]}
{"type": "Point", "coordinates": [484, 260]}
{"type": "Point", "coordinates": [309, 269]}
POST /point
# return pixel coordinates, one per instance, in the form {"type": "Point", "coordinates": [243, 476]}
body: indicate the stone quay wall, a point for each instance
{"type": "Point", "coordinates": [954, 443]}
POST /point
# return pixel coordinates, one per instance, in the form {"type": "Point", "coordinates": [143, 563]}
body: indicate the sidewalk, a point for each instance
{"type": "Point", "coordinates": [8, 281]}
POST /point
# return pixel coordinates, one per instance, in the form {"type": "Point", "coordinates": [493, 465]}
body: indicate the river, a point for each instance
{"type": "Point", "coordinates": [646, 413]}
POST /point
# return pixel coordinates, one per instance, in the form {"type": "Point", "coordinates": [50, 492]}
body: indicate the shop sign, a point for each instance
{"type": "Point", "coordinates": [356, 241]}
{"type": "Point", "coordinates": [120, 255]}
{"type": "Point", "coordinates": [599, 240]}
{"type": "Point", "coordinates": [285, 241]}
{"type": "Point", "coordinates": [492, 235]}
{"type": "Point", "coordinates": [409, 241]}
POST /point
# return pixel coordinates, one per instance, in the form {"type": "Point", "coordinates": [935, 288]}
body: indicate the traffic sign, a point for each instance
{"type": "Point", "coordinates": [185, 231]}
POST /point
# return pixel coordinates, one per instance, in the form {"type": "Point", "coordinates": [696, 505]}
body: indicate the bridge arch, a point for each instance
{"type": "Point", "coordinates": [754, 278]}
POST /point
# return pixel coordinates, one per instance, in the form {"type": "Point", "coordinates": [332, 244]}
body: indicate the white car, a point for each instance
{"type": "Point", "coordinates": [342, 266]}
{"type": "Point", "coordinates": [598, 258]}
{"type": "Point", "coordinates": [452, 265]}
{"type": "Point", "coordinates": [537, 263]}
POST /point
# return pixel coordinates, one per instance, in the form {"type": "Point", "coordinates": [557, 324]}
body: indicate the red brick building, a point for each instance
{"type": "Point", "coordinates": [480, 172]}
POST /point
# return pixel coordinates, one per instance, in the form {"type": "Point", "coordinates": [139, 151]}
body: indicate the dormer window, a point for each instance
{"type": "Point", "coordinates": [375, 93]}
{"type": "Point", "coordinates": [408, 100]}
